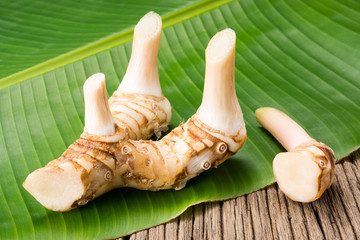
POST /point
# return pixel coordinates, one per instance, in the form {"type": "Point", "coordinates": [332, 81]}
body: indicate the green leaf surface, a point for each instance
{"type": "Point", "coordinates": [302, 57]}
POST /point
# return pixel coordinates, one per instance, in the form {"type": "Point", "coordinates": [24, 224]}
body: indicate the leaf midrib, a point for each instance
{"type": "Point", "coordinates": [106, 43]}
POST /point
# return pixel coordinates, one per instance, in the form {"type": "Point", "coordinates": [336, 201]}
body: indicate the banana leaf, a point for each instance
{"type": "Point", "coordinates": [302, 57]}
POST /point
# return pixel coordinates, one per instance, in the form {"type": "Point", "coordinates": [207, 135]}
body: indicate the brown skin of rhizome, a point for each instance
{"type": "Point", "coordinates": [136, 165]}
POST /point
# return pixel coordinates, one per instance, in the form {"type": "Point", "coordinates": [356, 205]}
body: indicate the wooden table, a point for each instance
{"type": "Point", "coordinates": [268, 214]}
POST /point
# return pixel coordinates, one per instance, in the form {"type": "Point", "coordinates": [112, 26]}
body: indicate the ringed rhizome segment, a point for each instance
{"type": "Point", "coordinates": [138, 105]}
{"type": "Point", "coordinates": [202, 142]}
{"type": "Point", "coordinates": [307, 169]}
{"type": "Point", "coordinates": [87, 163]}
{"type": "Point", "coordinates": [95, 164]}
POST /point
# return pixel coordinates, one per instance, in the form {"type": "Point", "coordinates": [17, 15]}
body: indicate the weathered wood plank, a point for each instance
{"type": "Point", "coordinates": [141, 235]}
{"type": "Point", "coordinates": [261, 215]}
{"type": "Point", "coordinates": [243, 226]}
{"type": "Point", "coordinates": [157, 232]}
{"type": "Point", "coordinates": [336, 198]}
{"type": "Point", "coordinates": [185, 228]}
{"type": "Point", "coordinates": [228, 219]}
{"type": "Point", "coordinates": [280, 218]}
{"type": "Point", "coordinates": [198, 226]}
{"type": "Point", "coordinates": [212, 221]}
{"type": "Point", "coordinates": [297, 219]}
{"type": "Point", "coordinates": [268, 214]}
{"type": "Point", "coordinates": [350, 187]}
{"type": "Point", "coordinates": [171, 229]}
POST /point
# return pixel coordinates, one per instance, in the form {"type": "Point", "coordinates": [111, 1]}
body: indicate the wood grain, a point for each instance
{"type": "Point", "coordinates": [268, 214]}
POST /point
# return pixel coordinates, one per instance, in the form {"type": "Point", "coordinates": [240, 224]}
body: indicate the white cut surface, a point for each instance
{"type": "Point", "coordinates": [148, 26]}
{"type": "Point", "coordinates": [56, 189]}
{"type": "Point", "coordinates": [297, 176]}
{"type": "Point", "coordinates": [220, 45]}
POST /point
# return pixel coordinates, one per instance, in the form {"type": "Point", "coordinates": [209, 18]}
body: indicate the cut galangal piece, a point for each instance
{"type": "Point", "coordinates": [87, 162]}
{"type": "Point", "coordinates": [138, 105]}
{"type": "Point", "coordinates": [95, 164]}
{"type": "Point", "coordinates": [307, 169]}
